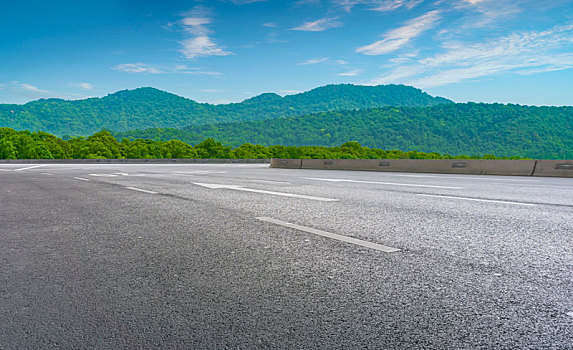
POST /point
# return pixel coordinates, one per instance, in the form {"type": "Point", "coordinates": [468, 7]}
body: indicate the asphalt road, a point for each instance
{"type": "Point", "coordinates": [243, 256]}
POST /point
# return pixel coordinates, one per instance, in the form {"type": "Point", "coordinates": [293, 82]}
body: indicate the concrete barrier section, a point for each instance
{"type": "Point", "coordinates": [440, 166]}
{"type": "Point", "coordinates": [286, 163]}
{"type": "Point", "coordinates": [555, 168]}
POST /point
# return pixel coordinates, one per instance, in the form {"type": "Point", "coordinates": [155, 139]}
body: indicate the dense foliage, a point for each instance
{"type": "Point", "coordinates": [102, 145]}
{"type": "Point", "coordinates": [504, 130]}
{"type": "Point", "coordinates": [151, 108]}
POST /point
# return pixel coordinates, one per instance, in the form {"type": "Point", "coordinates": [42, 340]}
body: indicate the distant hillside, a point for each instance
{"type": "Point", "coordinates": [472, 129]}
{"type": "Point", "coordinates": [151, 108]}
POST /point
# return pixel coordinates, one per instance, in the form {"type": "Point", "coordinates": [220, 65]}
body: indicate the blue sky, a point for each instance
{"type": "Point", "coordinates": [508, 51]}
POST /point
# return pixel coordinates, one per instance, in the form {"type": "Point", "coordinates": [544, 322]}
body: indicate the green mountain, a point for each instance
{"type": "Point", "coordinates": [151, 108]}
{"type": "Point", "coordinates": [472, 129]}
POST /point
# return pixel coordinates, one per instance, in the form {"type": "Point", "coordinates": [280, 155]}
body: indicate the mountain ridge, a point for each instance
{"type": "Point", "coordinates": [149, 107]}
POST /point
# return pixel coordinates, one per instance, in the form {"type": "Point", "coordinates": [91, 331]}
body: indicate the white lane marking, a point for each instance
{"type": "Point", "coordinates": [240, 188]}
{"type": "Point", "coordinates": [141, 190]}
{"type": "Point", "coordinates": [477, 199]}
{"type": "Point", "coordinates": [338, 237]}
{"type": "Point", "coordinates": [30, 167]}
{"type": "Point", "coordinates": [5, 169]}
{"type": "Point", "coordinates": [81, 178]}
{"type": "Point", "coordinates": [47, 174]}
{"type": "Point", "coordinates": [271, 182]}
{"type": "Point", "coordinates": [103, 175]}
{"type": "Point", "coordinates": [383, 183]}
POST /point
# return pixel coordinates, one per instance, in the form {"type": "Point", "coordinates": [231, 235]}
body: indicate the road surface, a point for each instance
{"type": "Point", "coordinates": [242, 256]}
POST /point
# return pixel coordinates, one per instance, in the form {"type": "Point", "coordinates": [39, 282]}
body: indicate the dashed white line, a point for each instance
{"type": "Point", "coordinates": [81, 178]}
{"type": "Point", "coordinates": [477, 199]}
{"type": "Point", "coordinates": [335, 236]}
{"type": "Point", "coordinates": [5, 169]}
{"type": "Point", "coordinates": [141, 190]}
{"type": "Point", "coordinates": [383, 183]}
{"type": "Point", "coordinates": [47, 174]}
{"type": "Point", "coordinates": [30, 167]}
{"type": "Point", "coordinates": [284, 194]}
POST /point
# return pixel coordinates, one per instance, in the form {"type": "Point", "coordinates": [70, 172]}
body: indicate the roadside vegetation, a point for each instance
{"type": "Point", "coordinates": [103, 145]}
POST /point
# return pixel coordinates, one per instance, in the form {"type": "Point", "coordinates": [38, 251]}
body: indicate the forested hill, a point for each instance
{"type": "Point", "coordinates": [151, 108]}
{"type": "Point", "coordinates": [504, 130]}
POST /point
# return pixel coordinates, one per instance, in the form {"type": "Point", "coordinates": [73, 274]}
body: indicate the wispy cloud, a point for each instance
{"type": "Point", "coordinates": [270, 24]}
{"type": "Point", "coordinates": [164, 69]}
{"type": "Point", "coordinates": [397, 38]}
{"type": "Point", "coordinates": [290, 92]}
{"type": "Point", "coordinates": [137, 68]}
{"type": "Point", "coordinates": [351, 73]}
{"type": "Point", "coordinates": [378, 5]}
{"type": "Point", "coordinates": [521, 53]}
{"type": "Point", "coordinates": [314, 61]}
{"type": "Point", "coordinates": [32, 88]}
{"type": "Point", "coordinates": [84, 86]}
{"type": "Point", "coordinates": [194, 22]}
{"type": "Point", "coordinates": [319, 25]}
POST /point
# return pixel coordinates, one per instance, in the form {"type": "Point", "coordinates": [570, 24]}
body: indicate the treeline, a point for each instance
{"type": "Point", "coordinates": [102, 145]}
{"type": "Point", "coordinates": [462, 128]}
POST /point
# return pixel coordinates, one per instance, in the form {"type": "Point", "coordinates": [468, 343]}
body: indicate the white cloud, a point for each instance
{"type": "Point", "coordinates": [163, 69]}
{"type": "Point", "coordinates": [201, 46]}
{"type": "Point", "coordinates": [378, 5]}
{"type": "Point", "coordinates": [84, 86]}
{"type": "Point", "coordinates": [319, 25]}
{"type": "Point", "coordinates": [270, 25]}
{"type": "Point", "coordinates": [137, 68]}
{"type": "Point", "coordinates": [397, 38]}
{"type": "Point", "coordinates": [32, 88]}
{"type": "Point", "coordinates": [351, 73]}
{"type": "Point", "coordinates": [290, 92]}
{"type": "Point", "coordinates": [314, 61]}
{"type": "Point", "coordinates": [341, 62]}
{"type": "Point", "coordinates": [391, 5]}
{"type": "Point", "coordinates": [521, 53]}
{"type": "Point", "coordinates": [194, 22]}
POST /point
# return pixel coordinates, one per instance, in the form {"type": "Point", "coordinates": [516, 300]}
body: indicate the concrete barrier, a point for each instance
{"type": "Point", "coordinates": [134, 161]}
{"type": "Point", "coordinates": [286, 163]}
{"type": "Point", "coordinates": [440, 166]}
{"type": "Point", "coordinates": [555, 168]}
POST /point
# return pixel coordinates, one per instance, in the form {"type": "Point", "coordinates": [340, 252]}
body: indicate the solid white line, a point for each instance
{"type": "Point", "coordinates": [5, 169]}
{"type": "Point", "coordinates": [140, 190]}
{"type": "Point", "coordinates": [30, 167]}
{"type": "Point", "coordinates": [477, 199]}
{"type": "Point", "coordinates": [81, 178]}
{"type": "Point", "coordinates": [338, 237]}
{"type": "Point", "coordinates": [384, 183]}
{"type": "Point", "coordinates": [271, 182]}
